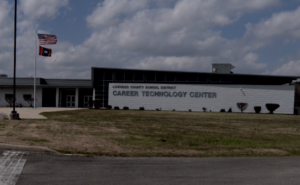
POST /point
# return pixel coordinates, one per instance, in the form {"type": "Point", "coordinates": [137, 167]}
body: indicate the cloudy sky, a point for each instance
{"type": "Point", "coordinates": [257, 36]}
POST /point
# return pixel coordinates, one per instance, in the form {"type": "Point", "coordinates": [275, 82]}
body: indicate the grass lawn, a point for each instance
{"type": "Point", "coordinates": [158, 133]}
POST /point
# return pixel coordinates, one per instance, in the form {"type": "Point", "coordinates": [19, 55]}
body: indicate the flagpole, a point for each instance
{"type": "Point", "coordinates": [34, 96]}
{"type": "Point", "coordinates": [14, 115]}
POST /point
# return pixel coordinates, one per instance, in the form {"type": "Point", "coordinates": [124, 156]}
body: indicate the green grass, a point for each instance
{"type": "Point", "coordinates": [160, 133]}
{"type": "Point", "coordinates": [2, 126]}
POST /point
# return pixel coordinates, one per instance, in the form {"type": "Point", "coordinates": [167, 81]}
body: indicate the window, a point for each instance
{"type": "Point", "coordinates": [150, 77]}
{"type": "Point", "coordinates": [181, 77]}
{"type": "Point", "coordinates": [26, 96]}
{"type": "Point", "coordinates": [226, 79]}
{"type": "Point", "coordinates": [192, 78]}
{"type": "Point", "coordinates": [119, 76]}
{"type": "Point", "coordinates": [160, 77]}
{"type": "Point", "coordinates": [202, 79]}
{"type": "Point", "coordinates": [9, 99]}
{"type": "Point", "coordinates": [108, 75]}
{"type": "Point", "coordinates": [215, 79]}
{"type": "Point", "coordinates": [128, 76]}
{"type": "Point", "coordinates": [9, 95]}
{"type": "Point", "coordinates": [170, 77]}
{"type": "Point", "coordinates": [99, 75]}
{"type": "Point", "coordinates": [138, 76]}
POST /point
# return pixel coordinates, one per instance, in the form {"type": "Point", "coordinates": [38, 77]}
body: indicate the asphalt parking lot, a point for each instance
{"type": "Point", "coordinates": [65, 170]}
{"type": "Point", "coordinates": [24, 167]}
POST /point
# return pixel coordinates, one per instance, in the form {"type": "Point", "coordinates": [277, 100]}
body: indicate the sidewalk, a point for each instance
{"type": "Point", "coordinates": [30, 113]}
{"type": "Point", "coordinates": [30, 149]}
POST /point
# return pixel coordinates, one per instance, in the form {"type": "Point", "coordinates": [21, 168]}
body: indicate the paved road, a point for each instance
{"type": "Point", "coordinates": [11, 165]}
{"type": "Point", "coordinates": [64, 170]}
{"type": "Point", "coordinates": [23, 168]}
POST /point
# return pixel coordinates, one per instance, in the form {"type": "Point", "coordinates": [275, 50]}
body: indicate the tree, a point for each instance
{"type": "Point", "coordinates": [95, 103]}
{"type": "Point", "coordinates": [29, 101]}
{"type": "Point", "coordinates": [91, 104]}
{"type": "Point", "coordinates": [242, 106]}
{"type": "Point", "coordinates": [10, 101]}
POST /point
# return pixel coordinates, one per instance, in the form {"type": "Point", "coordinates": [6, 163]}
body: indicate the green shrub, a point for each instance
{"type": "Point", "coordinates": [257, 109]}
{"type": "Point", "coordinates": [272, 107]}
{"type": "Point", "coordinates": [242, 106]}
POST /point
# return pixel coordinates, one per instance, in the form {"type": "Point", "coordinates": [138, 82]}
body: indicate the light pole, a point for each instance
{"type": "Point", "coordinates": [14, 115]}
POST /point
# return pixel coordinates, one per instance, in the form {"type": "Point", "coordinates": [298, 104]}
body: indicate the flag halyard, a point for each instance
{"type": "Point", "coordinates": [44, 39]}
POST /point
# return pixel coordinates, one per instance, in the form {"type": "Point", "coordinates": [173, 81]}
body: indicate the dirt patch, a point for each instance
{"type": "Point", "coordinates": [269, 151]}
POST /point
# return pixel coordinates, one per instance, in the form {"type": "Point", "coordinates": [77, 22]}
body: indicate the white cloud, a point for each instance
{"type": "Point", "coordinates": [251, 62]}
{"type": "Point", "coordinates": [4, 11]}
{"type": "Point", "coordinates": [290, 68]}
{"type": "Point", "coordinates": [25, 34]}
{"type": "Point", "coordinates": [5, 20]}
{"type": "Point", "coordinates": [6, 41]}
{"type": "Point", "coordinates": [179, 30]}
{"type": "Point", "coordinates": [174, 35]}
{"type": "Point", "coordinates": [201, 14]}
{"type": "Point", "coordinates": [111, 11]}
{"type": "Point", "coordinates": [42, 9]}
{"type": "Point", "coordinates": [240, 5]}
{"type": "Point", "coordinates": [167, 35]}
{"type": "Point", "coordinates": [283, 25]}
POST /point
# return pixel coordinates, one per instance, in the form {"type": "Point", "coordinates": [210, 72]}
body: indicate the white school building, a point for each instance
{"type": "Point", "coordinates": [165, 90]}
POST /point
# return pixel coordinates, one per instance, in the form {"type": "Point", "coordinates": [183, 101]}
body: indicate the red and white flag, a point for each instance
{"type": "Point", "coordinates": [46, 52]}
{"type": "Point", "coordinates": [45, 39]}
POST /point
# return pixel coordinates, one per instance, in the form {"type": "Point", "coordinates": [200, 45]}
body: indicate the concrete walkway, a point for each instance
{"type": "Point", "coordinates": [30, 113]}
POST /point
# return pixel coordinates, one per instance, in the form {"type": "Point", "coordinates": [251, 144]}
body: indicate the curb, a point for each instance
{"type": "Point", "coordinates": [32, 149]}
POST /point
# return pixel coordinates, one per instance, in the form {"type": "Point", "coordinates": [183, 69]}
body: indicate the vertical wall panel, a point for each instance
{"type": "Point", "coordinates": [221, 97]}
{"type": "Point", "coordinates": [19, 96]}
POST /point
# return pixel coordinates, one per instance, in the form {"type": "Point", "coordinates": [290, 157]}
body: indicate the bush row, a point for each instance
{"type": "Point", "coordinates": [242, 106]}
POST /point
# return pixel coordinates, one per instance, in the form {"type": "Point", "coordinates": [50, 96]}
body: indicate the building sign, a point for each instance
{"type": "Point", "coordinates": [183, 97]}
{"type": "Point", "coordinates": [158, 91]}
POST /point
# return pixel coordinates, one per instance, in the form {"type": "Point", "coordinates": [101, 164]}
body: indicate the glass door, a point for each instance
{"type": "Point", "coordinates": [70, 101]}
{"type": "Point", "coordinates": [86, 100]}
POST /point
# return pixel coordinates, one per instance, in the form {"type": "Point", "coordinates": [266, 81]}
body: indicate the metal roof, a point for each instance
{"type": "Point", "coordinates": [80, 83]}
{"type": "Point", "coordinates": [46, 83]}
{"type": "Point", "coordinates": [190, 72]}
{"type": "Point", "coordinates": [249, 79]}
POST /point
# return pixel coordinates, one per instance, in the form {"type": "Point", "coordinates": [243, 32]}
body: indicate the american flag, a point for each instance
{"type": "Point", "coordinates": [45, 39]}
